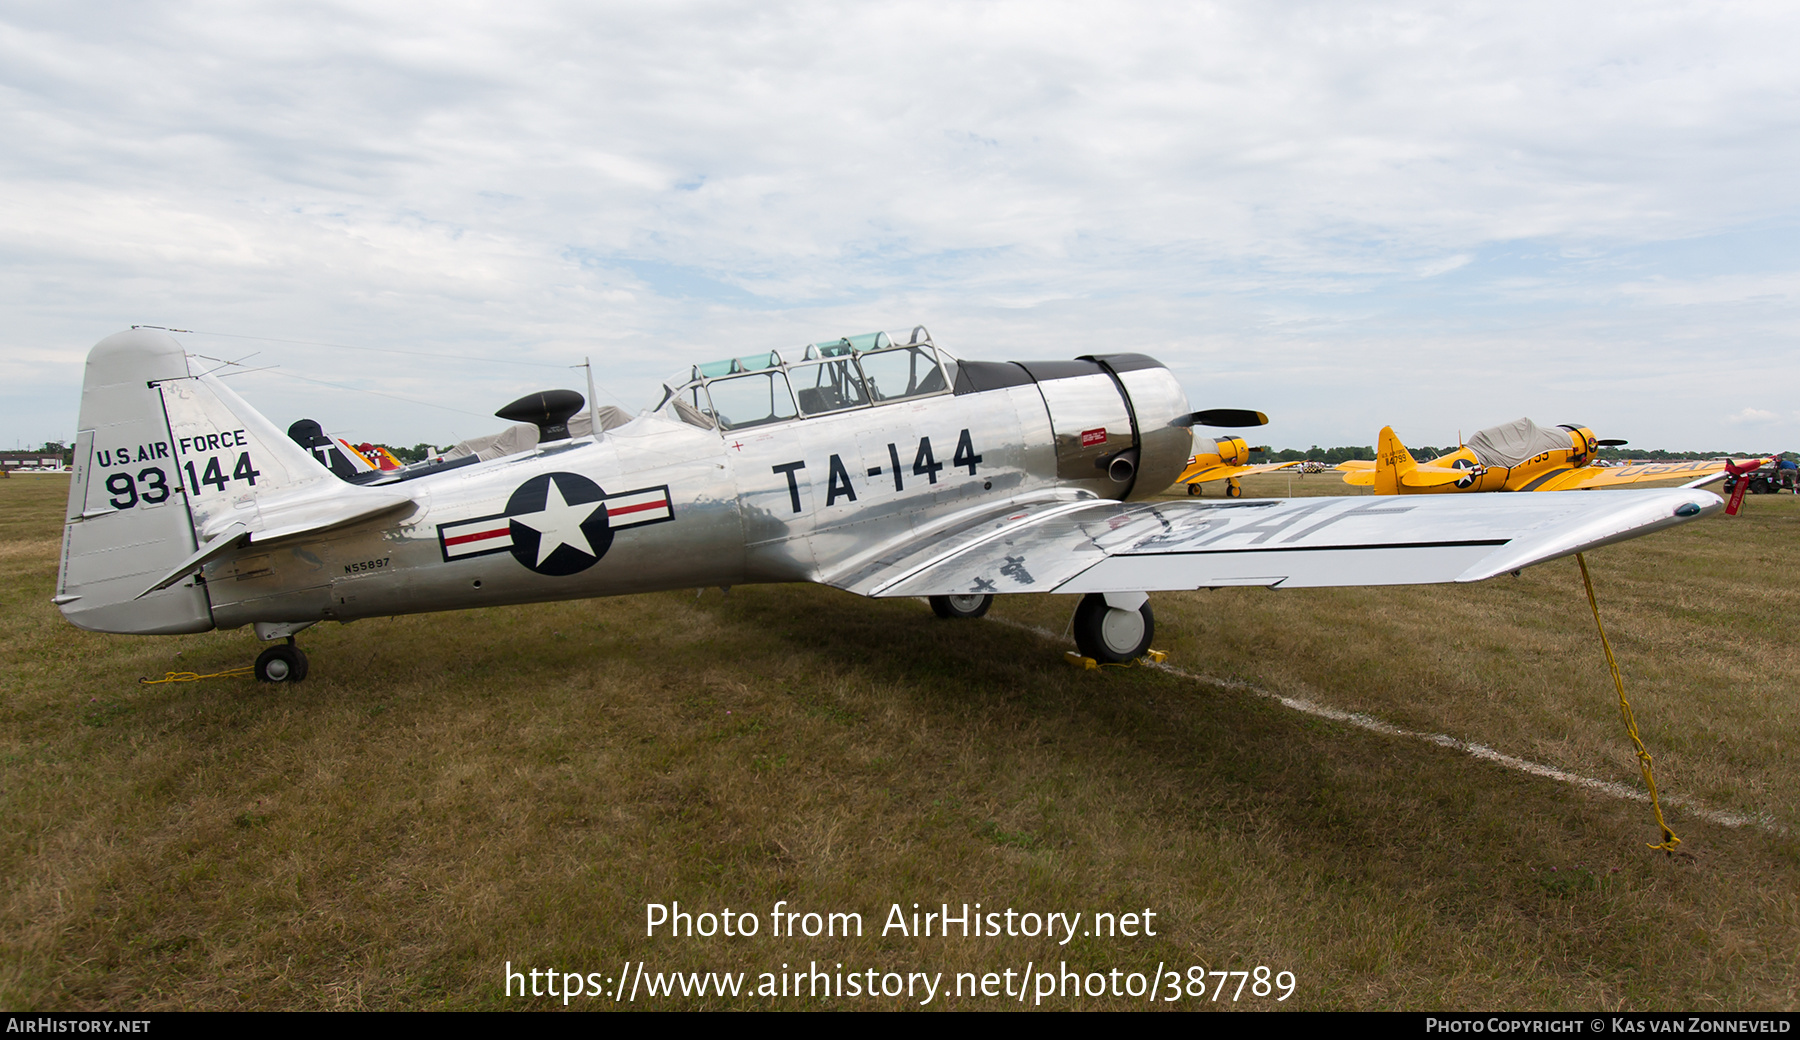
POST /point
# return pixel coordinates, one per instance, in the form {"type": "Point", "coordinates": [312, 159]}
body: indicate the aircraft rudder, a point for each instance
{"type": "Point", "coordinates": [127, 523]}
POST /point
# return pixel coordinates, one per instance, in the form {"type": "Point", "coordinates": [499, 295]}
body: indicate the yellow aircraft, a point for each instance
{"type": "Point", "coordinates": [1515, 456]}
{"type": "Point", "coordinates": [1223, 458]}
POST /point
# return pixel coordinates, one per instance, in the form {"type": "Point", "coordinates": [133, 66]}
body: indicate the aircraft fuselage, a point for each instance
{"type": "Point", "coordinates": [660, 503]}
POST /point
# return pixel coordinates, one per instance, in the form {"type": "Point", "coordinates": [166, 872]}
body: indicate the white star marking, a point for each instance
{"type": "Point", "coordinates": [559, 524]}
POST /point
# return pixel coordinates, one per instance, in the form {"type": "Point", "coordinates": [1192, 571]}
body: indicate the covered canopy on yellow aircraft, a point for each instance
{"type": "Point", "coordinates": [1510, 444]}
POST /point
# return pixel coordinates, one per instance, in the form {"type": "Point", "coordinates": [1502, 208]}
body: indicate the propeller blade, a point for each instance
{"type": "Point", "coordinates": [1229, 417]}
{"type": "Point", "coordinates": [1611, 443]}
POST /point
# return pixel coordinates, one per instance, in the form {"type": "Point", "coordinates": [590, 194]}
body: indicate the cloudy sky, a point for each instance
{"type": "Point", "coordinates": [1436, 216]}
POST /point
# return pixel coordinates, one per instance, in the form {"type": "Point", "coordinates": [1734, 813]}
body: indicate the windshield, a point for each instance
{"type": "Point", "coordinates": [752, 400]}
{"type": "Point", "coordinates": [896, 374]}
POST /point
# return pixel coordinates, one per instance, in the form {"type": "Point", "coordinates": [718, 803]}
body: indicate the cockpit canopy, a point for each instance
{"type": "Point", "coordinates": [835, 376]}
{"type": "Point", "coordinates": [1510, 444]}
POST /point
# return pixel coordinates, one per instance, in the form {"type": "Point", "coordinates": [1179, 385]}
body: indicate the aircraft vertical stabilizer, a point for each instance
{"type": "Point", "coordinates": [1392, 463]}
{"type": "Point", "coordinates": [127, 522]}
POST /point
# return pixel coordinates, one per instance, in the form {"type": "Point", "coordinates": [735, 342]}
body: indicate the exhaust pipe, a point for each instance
{"type": "Point", "coordinates": [1123, 466]}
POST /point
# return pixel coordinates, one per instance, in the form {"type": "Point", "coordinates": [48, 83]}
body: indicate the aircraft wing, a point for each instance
{"type": "Point", "coordinates": [1220, 471]}
{"type": "Point", "coordinates": [1106, 546]}
{"type": "Point", "coordinates": [1637, 472]}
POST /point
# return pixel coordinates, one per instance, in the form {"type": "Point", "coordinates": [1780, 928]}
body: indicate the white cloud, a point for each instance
{"type": "Point", "coordinates": [1505, 208]}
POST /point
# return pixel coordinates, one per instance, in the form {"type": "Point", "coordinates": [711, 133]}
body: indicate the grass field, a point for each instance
{"type": "Point", "coordinates": [449, 793]}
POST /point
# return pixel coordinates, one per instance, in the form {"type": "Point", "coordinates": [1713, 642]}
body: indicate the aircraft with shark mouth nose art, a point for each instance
{"type": "Point", "coordinates": [874, 465]}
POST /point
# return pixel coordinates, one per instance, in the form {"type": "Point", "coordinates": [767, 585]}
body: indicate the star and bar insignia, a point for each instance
{"type": "Point", "coordinates": [556, 523]}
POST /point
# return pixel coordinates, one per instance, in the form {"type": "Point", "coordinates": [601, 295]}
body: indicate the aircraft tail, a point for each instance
{"type": "Point", "coordinates": [1392, 463]}
{"type": "Point", "coordinates": [127, 522]}
{"type": "Point", "coordinates": [172, 470]}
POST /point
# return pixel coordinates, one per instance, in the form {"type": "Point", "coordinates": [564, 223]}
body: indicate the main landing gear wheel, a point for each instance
{"type": "Point", "coordinates": [1193, 490]}
{"type": "Point", "coordinates": [281, 664]}
{"type": "Point", "coordinates": [1111, 635]}
{"type": "Point", "coordinates": [961, 606]}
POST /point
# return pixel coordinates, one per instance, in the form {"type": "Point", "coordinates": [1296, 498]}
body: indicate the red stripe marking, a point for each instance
{"type": "Point", "coordinates": [661, 503]}
{"type": "Point", "coordinates": [478, 536]}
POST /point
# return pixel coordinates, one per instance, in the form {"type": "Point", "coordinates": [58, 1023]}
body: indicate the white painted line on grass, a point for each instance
{"type": "Point", "coordinates": [1761, 821]}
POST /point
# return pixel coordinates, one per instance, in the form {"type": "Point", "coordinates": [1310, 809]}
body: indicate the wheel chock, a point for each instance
{"type": "Point", "coordinates": [1150, 657]}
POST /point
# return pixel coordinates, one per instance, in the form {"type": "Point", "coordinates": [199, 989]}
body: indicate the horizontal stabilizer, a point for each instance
{"type": "Point", "coordinates": [232, 537]}
{"type": "Point", "coordinates": [314, 510]}
{"type": "Point", "coordinates": [1433, 476]}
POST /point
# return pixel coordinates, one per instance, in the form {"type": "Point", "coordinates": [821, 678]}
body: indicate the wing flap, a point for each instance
{"type": "Point", "coordinates": [1396, 565]}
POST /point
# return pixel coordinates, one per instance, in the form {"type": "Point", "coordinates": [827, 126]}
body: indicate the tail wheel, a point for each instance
{"type": "Point", "coordinates": [1109, 634]}
{"type": "Point", "coordinates": [281, 664]}
{"type": "Point", "coordinates": [961, 606]}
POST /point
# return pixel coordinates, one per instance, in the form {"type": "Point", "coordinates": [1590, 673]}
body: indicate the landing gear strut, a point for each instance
{"type": "Point", "coordinates": [961, 606]}
{"type": "Point", "coordinates": [281, 664]}
{"type": "Point", "coordinates": [1111, 634]}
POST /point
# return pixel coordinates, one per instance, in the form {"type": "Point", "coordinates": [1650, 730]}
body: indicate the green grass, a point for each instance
{"type": "Point", "coordinates": [447, 793]}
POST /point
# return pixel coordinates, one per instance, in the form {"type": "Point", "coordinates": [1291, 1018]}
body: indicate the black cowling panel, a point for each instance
{"type": "Point", "coordinates": [1125, 362]}
{"type": "Point", "coordinates": [972, 377]}
{"type": "Point", "coordinates": [1043, 370]}
{"type": "Point", "coordinates": [975, 376]}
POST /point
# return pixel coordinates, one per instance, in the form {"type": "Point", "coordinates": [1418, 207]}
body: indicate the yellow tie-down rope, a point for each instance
{"type": "Point", "coordinates": [229, 673]}
{"type": "Point", "coordinates": [1669, 839]}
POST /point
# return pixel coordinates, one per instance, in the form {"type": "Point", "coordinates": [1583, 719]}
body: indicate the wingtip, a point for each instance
{"type": "Point", "coordinates": [1645, 512]}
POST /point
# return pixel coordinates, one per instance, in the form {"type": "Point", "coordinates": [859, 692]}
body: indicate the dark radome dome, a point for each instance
{"type": "Point", "coordinates": [548, 410]}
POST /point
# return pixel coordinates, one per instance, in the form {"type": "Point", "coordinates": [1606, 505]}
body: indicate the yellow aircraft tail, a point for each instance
{"type": "Point", "coordinates": [1392, 463]}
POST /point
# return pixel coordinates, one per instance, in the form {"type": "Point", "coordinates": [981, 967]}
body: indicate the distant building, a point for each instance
{"type": "Point", "coordinates": [31, 460]}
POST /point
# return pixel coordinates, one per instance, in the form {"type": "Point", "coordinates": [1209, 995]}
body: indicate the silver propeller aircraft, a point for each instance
{"type": "Point", "coordinates": [880, 467]}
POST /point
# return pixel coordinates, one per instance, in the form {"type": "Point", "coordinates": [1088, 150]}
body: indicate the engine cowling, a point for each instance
{"type": "Point", "coordinates": [1232, 451]}
{"type": "Point", "coordinates": [1113, 418]}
